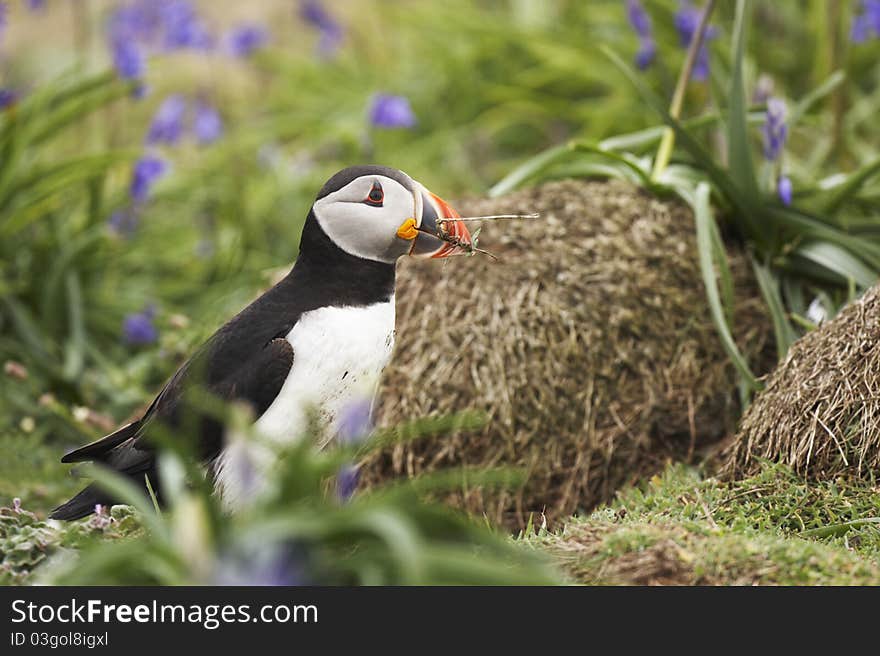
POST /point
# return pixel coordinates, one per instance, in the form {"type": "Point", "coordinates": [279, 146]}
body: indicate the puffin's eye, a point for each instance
{"type": "Point", "coordinates": [376, 195]}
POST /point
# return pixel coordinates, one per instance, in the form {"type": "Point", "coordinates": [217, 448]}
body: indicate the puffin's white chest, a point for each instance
{"type": "Point", "coordinates": [338, 357]}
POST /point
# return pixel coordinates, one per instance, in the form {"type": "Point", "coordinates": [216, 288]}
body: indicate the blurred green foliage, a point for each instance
{"type": "Point", "coordinates": [295, 529]}
{"type": "Point", "coordinates": [493, 83]}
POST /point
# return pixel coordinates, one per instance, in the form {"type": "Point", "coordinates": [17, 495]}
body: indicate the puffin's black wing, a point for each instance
{"type": "Point", "coordinates": [260, 380]}
{"type": "Point", "coordinates": [128, 450]}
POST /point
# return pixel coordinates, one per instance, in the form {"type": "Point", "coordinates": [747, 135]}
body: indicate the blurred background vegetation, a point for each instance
{"type": "Point", "coordinates": [157, 159]}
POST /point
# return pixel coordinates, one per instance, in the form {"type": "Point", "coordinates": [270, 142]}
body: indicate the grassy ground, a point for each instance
{"type": "Point", "coordinates": [772, 528]}
{"type": "Point", "coordinates": [679, 529]}
{"type": "Point", "coordinates": [30, 470]}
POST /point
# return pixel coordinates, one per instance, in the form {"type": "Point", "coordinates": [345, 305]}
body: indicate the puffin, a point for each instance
{"type": "Point", "coordinates": [311, 346]}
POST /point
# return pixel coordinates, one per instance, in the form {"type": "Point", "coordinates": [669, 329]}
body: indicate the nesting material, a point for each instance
{"type": "Point", "coordinates": [820, 410]}
{"type": "Point", "coordinates": [588, 345]}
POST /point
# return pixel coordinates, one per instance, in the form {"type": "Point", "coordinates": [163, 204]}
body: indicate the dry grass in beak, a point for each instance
{"type": "Point", "coordinates": [492, 217]}
{"type": "Point", "coordinates": [471, 248]}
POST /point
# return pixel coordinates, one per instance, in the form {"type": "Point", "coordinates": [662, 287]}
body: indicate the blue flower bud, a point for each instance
{"type": "Point", "coordinates": [167, 123]}
{"type": "Point", "coordinates": [138, 328]}
{"type": "Point", "coordinates": [147, 170]}
{"type": "Point", "coordinates": [784, 189]}
{"type": "Point", "coordinates": [389, 111]}
{"type": "Point", "coordinates": [775, 129]}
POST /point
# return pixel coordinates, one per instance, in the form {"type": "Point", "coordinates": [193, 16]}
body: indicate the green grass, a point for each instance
{"type": "Point", "coordinates": [773, 528]}
{"type": "Point", "coordinates": [31, 471]}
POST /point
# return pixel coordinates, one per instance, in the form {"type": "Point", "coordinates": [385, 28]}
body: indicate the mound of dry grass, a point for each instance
{"type": "Point", "coordinates": [820, 410]}
{"type": "Point", "coordinates": [588, 346]}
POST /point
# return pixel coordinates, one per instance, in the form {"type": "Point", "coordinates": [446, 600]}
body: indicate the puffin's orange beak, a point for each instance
{"type": "Point", "coordinates": [441, 234]}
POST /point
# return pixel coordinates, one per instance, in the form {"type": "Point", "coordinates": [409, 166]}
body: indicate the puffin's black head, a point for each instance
{"type": "Point", "coordinates": [379, 213]}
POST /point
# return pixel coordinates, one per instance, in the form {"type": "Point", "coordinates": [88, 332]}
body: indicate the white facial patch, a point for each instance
{"type": "Point", "coordinates": [363, 229]}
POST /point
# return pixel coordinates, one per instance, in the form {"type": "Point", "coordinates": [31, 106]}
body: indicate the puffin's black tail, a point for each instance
{"type": "Point", "coordinates": [109, 450]}
{"type": "Point", "coordinates": [82, 504]}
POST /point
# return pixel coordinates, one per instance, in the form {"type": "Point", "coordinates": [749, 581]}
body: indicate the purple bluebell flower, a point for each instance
{"type": "Point", "coordinates": [124, 221]}
{"type": "Point", "coordinates": [641, 24]}
{"type": "Point", "coordinates": [128, 59]}
{"type": "Point", "coordinates": [246, 39]}
{"type": "Point", "coordinates": [182, 26]}
{"type": "Point", "coordinates": [167, 123]}
{"type": "Point", "coordinates": [389, 111]}
{"type": "Point", "coordinates": [147, 170]}
{"type": "Point", "coordinates": [7, 97]}
{"type": "Point", "coordinates": [775, 129]}
{"type": "Point", "coordinates": [36, 5]}
{"type": "Point", "coordinates": [195, 36]}
{"type": "Point", "coordinates": [687, 21]}
{"type": "Point", "coordinates": [860, 30]}
{"type": "Point", "coordinates": [347, 481]}
{"type": "Point", "coordinates": [638, 18]}
{"type": "Point", "coordinates": [133, 21]}
{"type": "Point", "coordinates": [140, 27]}
{"type": "Point", "coordinates": [784, 189]}
{"type": "Point", "coordinates": [356, 421]}
{"type": "Point", "coordinates": [866, 22]}
{"type": "Point", "coordinates": [355, 425]}
{"type": "Point", "coordinates": [138, 328]}
{"type": "Point", "coordinates": [871, 9]}
{"type": "Point", "coordinates": [775, 132]}
{"type": "Point", "coordinates": [646, 53]}
{"type": "Point", "coordinates": [330, 31]}
{"type": "Point", "coordinates": [314, 13]}
{"type": "Point", "coordinates": [207, 125]}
